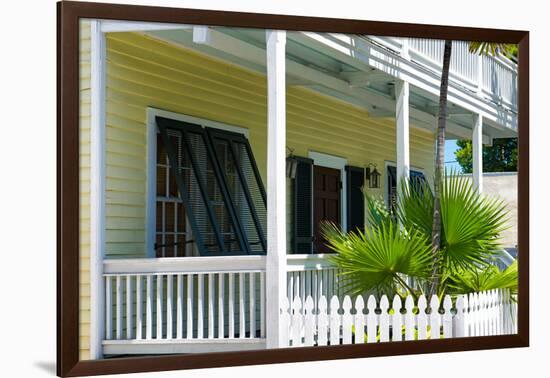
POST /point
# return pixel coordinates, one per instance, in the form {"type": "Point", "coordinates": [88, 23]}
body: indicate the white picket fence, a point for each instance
{"type": "Point", "coordinates": [479, 314]}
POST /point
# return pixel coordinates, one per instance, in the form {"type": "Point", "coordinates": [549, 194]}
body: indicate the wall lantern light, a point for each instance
{"type": "Point", "coordinates": [373, 176]}
{"type": "Point", "coordinates": [291, 164]}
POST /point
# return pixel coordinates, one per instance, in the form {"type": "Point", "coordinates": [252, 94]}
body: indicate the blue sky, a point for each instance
{"type": "Point", "coordinates": [450, 159]}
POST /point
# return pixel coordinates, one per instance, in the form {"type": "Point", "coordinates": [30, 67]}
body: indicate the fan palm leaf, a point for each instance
{"type": "Point", "coordinates": [375, 258]}
{"type": "Point", "coordinates": [491, 48]}
{"type": "Point", "coordinates": [472, 223]}
{"type": "Point", "coordinates": [489, 278]}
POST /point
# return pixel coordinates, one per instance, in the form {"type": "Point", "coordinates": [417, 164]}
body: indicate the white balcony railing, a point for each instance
{"type": "Point", "coordinates": [496, 81]}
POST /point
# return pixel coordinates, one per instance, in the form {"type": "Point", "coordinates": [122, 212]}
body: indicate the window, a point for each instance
{"type": "Point", "coordinates": [415, 176]}
{"type": "Point", "coordinates": [210, 198]}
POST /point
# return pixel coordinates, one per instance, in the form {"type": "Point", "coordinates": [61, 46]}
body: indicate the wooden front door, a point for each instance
{"type": "Point", "coordinates": [326, 200]}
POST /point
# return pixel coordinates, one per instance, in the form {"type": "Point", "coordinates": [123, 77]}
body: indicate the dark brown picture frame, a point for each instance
{"type": "Point", "coordinates": [69, 14]}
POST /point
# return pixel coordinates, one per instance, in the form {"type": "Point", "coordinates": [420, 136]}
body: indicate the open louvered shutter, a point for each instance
{"type": "Point", "coordinates": [303, 207]}
{"type": "Point", "coordinates": [355, 178]}
{"type": "Point", "coordinates": [392, 188]}
{"type": "Point", "coordinates": [245, 186]}
{"type": "Point", "coordinates": [416, 179]}
{"type": "Point", "coordinates": [201, 187]}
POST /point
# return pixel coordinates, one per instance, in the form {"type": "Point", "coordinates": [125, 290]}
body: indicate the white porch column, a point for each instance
{"type": "Point", "coordinates": [402, 131]}
{"type": "Point", "coordinates": [276, 185]}
{"type": "Point", "coordinates": [97, 189]}
{"type": "Point", "coordinates": [477, 153]}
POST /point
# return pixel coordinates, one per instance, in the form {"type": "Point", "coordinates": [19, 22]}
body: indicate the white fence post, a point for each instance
{"type": "Point", "coordinates": [397, 319]}
{"type": "Point", "coordinates": [422, 319]}
{"type": "Point", "coordinates": [371, 320]}
{"type": "Point", "coordinates": [309, 322]}
{"type": "Point", "coordinates": [359, 320]}
{"type": "Point", "coordinates": [460, 326]}
{"type": "Point", "coordinates": [296, 320]}
{"type": "Point", "coordinates": [334, 321]}
{"type": "Point", "coordinates": [435, 318]}
{"type": "Point", "coordinates": [384, 319]}
{"type": "Point", "coordinates": [447, 318]}
{"type": "Point", "coordinates": [347, 320]}
{"type": "Point", "coordinates": [322, 322]}
{"type": "Point", "coordinates": [409, 318]}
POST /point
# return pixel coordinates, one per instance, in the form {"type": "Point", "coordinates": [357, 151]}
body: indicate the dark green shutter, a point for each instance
{"type": "Point", "coordinates": [224, 203]}
{"type": "Point", "coordinates": [303, 207]}
{"type": "Point", "coordinates": [355, 201]}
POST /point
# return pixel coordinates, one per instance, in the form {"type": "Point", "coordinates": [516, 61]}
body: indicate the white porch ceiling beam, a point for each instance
{"type": "Point", "coordinates": [113, 26]}
{"type": "Point", "coordinates": [276, 186]}
{"type": "Point", "coordinates": [360, 78]}
{"type": "Point", "coordinates": [201, 34]}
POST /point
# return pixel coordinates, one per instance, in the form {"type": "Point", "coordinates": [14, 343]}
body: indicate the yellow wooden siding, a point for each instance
{"type": "Point", "coordinates": [144, 72]}
{"type": "Point", "coordinates": [84, 155]}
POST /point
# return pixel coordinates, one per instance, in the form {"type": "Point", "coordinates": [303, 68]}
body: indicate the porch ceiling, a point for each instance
{"type": "Point", "coordinates": [342, 77]}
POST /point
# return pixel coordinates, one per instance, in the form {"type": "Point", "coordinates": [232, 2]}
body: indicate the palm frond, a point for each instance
{"type": "Point", "coordinates": [472, 223]}
{"type": "Point", "coordinates": [488, 278]}
{"type": "Point", "coordinates": [374, 259]}
{"type": "Point", "coordinates": [490, 48]}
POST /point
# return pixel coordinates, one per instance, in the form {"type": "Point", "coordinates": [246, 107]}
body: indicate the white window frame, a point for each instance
{"type": "Point", "coordinates": [387, 164]}
{"type": "Point", "coordinates": [151, 170]}
{"type": "Point", "coordinates": [334, 162]}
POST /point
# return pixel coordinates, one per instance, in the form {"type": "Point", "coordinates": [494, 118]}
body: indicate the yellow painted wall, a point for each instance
{"type": "Point", "coordinates": [144, 72]}
{"type": "Point", "coordinates": [84, 343]}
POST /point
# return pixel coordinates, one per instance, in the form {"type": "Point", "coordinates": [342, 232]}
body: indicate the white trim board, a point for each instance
{"type": "Point", "coordinates": [117, 26]}
{"type": "Point", "coordinates": [151, 170]}
{"type": "Point", "coordinates": [334, 162]}
{"type": "Point", "coordinates": [181, 346]}
{"type": "Point", "coordinates": [97, 187]}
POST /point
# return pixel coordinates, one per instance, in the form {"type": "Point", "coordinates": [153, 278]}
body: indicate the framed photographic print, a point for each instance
{"type": "Point", "coordinates": [240, 188]}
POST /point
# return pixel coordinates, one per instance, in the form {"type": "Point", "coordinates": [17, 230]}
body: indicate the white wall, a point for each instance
{"type": "Point", "coordinates": [505, 187]}
{"type": "Point", "coordinates": [28, 77]}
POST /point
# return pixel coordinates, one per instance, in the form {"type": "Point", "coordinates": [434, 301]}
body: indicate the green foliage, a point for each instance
{"type": "Point", "coordinates": [471, 222]}
{"type": "Point", "coordinates": [502, 156]}
{"type": "Point", "coordinates": [490, 48]}
{"type": "Point", "coordinates": [391, 247]}
{"type": "Point", "coordinates": [373, 259]}
{"type": "Point", "coordinates": [488, 278]}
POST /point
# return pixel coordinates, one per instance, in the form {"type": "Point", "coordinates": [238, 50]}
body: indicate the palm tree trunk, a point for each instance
{"type": "Point", "coordinates": [440, 166]}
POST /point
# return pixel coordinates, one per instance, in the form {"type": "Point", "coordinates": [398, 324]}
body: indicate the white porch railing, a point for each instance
{"type": "Point", "coordinates": [312, 275]}
{"type": "Point", "coordinates": [183, 305]}
{"type": "Point", "coordinates": [480, 314]}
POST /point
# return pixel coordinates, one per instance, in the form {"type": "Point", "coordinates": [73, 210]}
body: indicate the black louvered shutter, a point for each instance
{"type": "Point", "coordinates": [221, 188]}
{"type": "Point", "coordinates": [303, 207]}
{"type": "Point", "coordinates": [355, 178]}
{"type": "Point", "coordinates": [392, 188]}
